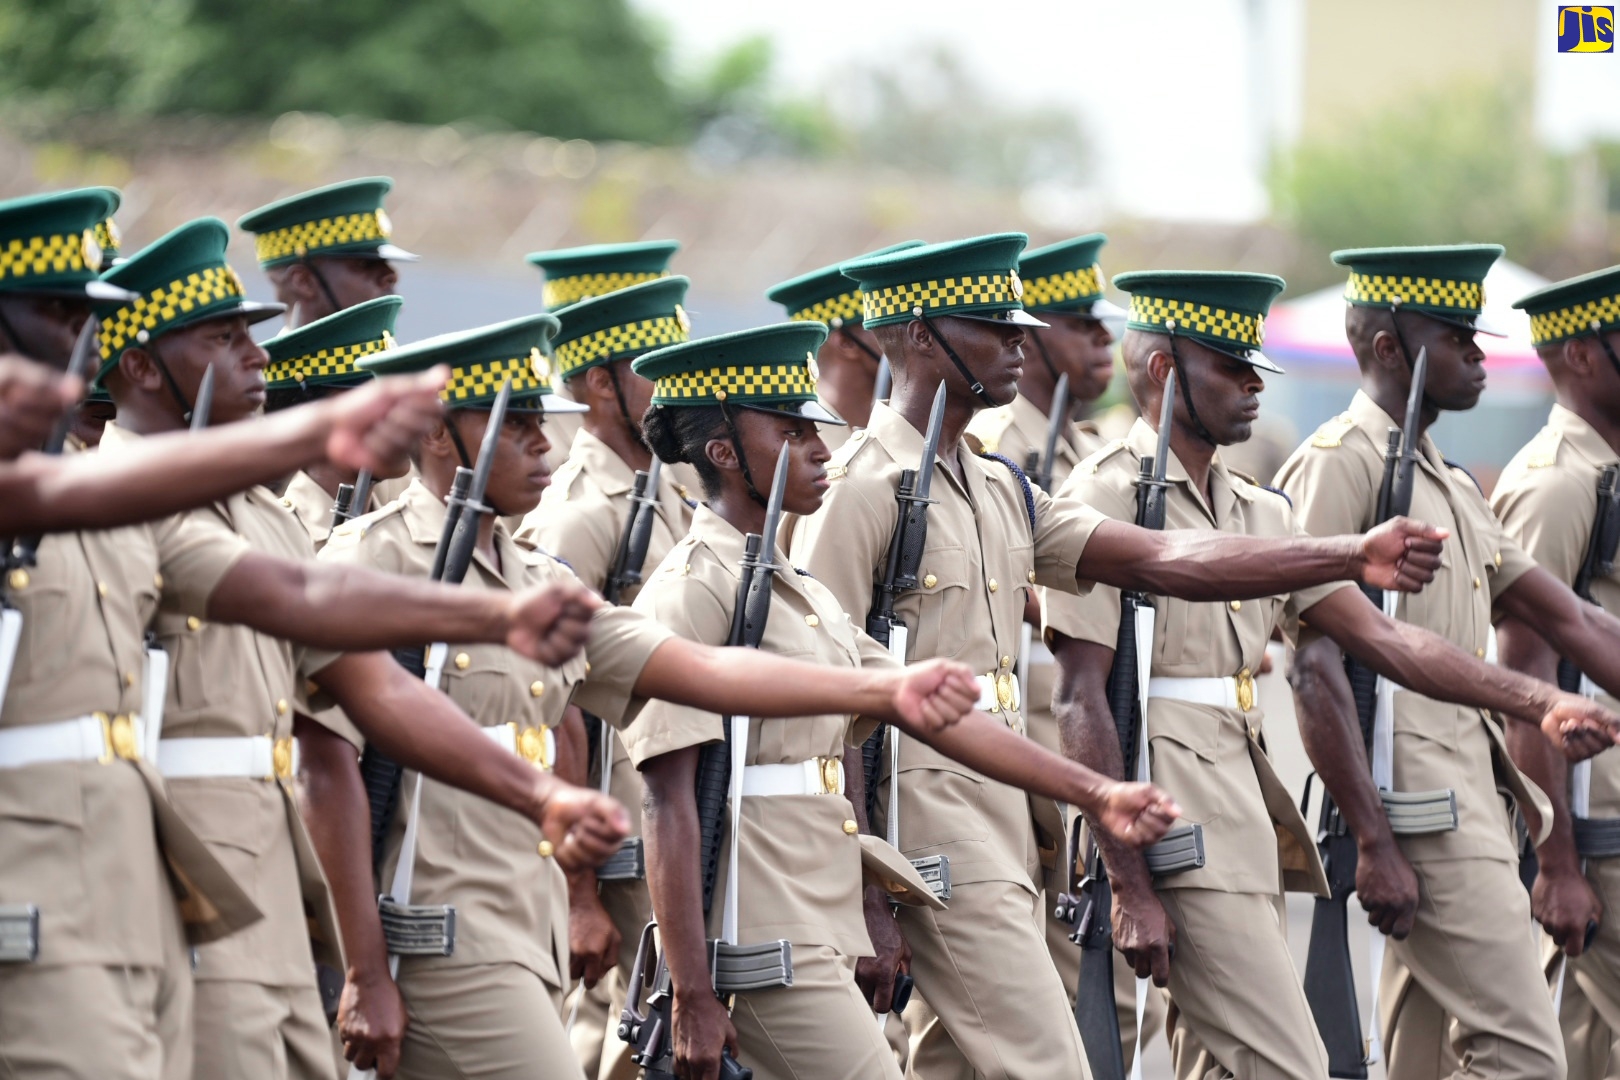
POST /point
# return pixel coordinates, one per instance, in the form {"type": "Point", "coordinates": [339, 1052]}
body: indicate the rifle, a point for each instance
{"type": "Point", "coordinates": [634, 538]}
{"type": "Point", "coordinates": [1094, 1010]}
{"type": "Point", "coordinates": [1039, 466]}
{"type": "Point", "coordinates": [899, 577]}
{"type": "Point", "coordinates": [732, 967]}
{"type": "Point", "coordinates": [1330, 985]}
{"type": "Point", "coordinates": [351, 499]}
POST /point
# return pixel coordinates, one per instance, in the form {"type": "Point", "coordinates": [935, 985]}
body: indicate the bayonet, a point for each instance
{"type": "Point", "coordinates": [204, 407]}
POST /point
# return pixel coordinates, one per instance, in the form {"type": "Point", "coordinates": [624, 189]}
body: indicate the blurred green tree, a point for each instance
{"type": "Point", "coordinates": [570, 68]}
{"type": "Point", "coordinates": [1460, 164]}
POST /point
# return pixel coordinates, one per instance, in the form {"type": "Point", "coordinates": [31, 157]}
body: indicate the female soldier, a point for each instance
{"type": "Point", "coordinates": [489, 1009]}
{"type": "Point", "coordinates": [726, 405]}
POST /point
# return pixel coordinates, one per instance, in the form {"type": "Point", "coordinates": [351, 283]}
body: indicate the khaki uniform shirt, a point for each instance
{"type": "Point", "coordinates": [312, 506]}
{"type": "Point", "coordinates": [1212, 759]}
{"type": "Point", "coordinates": [511, 904]}
{"type": "Point", "coordinates": [234, 682]}
{"type": "Point", "coordinates": [77, 838]}
{"type": "Point", "coordinates": [980, 560]}
{"type": "Point", "coordinates": [799, 869]}
{"type": "Point", "coordinates": [1333, 479]}
{"type": "Point", "coordinates": [1546, 500]}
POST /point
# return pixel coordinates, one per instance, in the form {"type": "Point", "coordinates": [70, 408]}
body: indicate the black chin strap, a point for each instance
{"type": "Point", "coordinates": [624, 409]}
{"type": "Point", "coordinates": [974, 384]}
{"type": "Point", "coordinates": [1406, 353]}
{"type": "Point", "coordinates": [466, 459]}
{"type": "Point", "coordinates": [854, 339]}
{"type": "Point", "coordinates": [1607, 348]}
{"type": "Point", "coordinates": [1046, 357]}
{"type": "Point", "coordinates": [1186, 392]}
{"type": "Point", "coordinates": [169, 381]}
{"type": "Point", "coordinates": [742, 458]}
{"type": "Point", "coordinates": [320, 279]}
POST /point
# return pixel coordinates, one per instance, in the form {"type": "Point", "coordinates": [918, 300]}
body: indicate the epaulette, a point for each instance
{"type": "Point", "coordinates": [838, 467]}
{"type": "Point", "coordinates": [1091, 464]}
{"type": "Point", "coordinates": [1332, 433]}
{"type": "Point", "coordinates": [562, 481]}
{"type": "Point", "coordinates": [1023, 482]}
{"type": "Point", "coordinates": [1466, 473]}
{"type": "Point", "coordinates": [358, 527]}
{"type": "Point", "coordinates": [992, 425]}
{"type": "Point", "coordinates": [1542, 451]}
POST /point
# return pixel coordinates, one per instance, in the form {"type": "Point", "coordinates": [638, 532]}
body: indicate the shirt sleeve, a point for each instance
{"type": "Point", "coordinates": [1087, 612]}
{"type": "Point", "coordinates": [1063, 526]}
{"type": "Point", "coordinates": [195, 552]}
{"type": "Point", "coordinates": [581, 533]}
{"type": "Point", "coordinates": [1331, 489]}
{"type": "Point", "coordinates": [622, 641]}
{"type": "Point", "coordinates": [1548, 514]}
{"type": "Point", "coordinates": [844, 542]}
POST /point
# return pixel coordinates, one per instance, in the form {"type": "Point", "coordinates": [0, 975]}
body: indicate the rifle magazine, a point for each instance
{"type": "Point", "coordinates": [1420, 813]}
{"type": "Point", "coordinates": [1597, 838]}
{"type": "Point", "coordinates": [1182, 849]}
{"type": "Point", "coordinates": [417, 929]}
{"type": "Point", "coordinates": [628, 863]}
{"type": "Point", "coordinates": [740, 968]}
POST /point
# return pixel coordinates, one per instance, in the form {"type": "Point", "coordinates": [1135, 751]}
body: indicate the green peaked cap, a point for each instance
{"type": "Point", "coordinates": [480, 360]}
{"type": "Point", "coordinates": [344, 219]}
{"type": "Point", "coordinates": [327, 352]}
{"type": "Point", "coordinates": [48, 244]}
{"type": "Point", "coordinates": [826, 295]}
{"type": "Point", "coordinates": [1445, 282]}
{"type": "Point", "coordinates": [1066, 278]}
{"type": "Point", "coordinates": [625, 322]}
{"type": "Point", "coordinates": [579, 273]}
{"type": "Point", "coordinates": [1589, 304]}
{"type": "Point", "coordinates": [179, 280]}
{"type": "Point", "coordinates": [771, 369]}
{"type": "Point", "coordinates": [1225, 310]}
{"type": "Point", "coordinates": [973, 279]}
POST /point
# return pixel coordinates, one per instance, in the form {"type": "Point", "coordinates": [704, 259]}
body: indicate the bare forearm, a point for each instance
{"type": "Point", "coordinates": [1523, 649]}
{"type": "Point", "coordinates": [1198, 564]}
{"type": "Point", "coordinates": [160, 475]}
{"type": "Point", "coordinates": [670, 827]}
{"type": "Point", "coordinates": [749, 682]}
{"type": "Point", "coordinates": [333, 800]}
{"type": "Point", "coordinates": [986, 745]}
{"type": "Point", "coordinates": [1584, 632]}
{"type": "Point", "coordinates": [422, 729]}
{"type": "Point", "coordinates": [347, 607]}
{"type": "Point", "coordinates": [1331, 733]}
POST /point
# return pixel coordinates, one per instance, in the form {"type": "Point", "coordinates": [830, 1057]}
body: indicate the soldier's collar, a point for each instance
{"type": "Point", "coordinates": [424, 515]}
{"type": "Point", "coordinates": [722, 538]}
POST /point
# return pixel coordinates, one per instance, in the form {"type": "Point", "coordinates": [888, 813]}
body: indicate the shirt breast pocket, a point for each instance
{"type": "Point", "coordinates": [478, 679]}
{"type": "Point", "coordinates": [946, 593]}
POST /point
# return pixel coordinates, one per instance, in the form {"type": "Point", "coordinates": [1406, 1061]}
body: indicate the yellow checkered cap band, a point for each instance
{"type": "Point", "coordinates": [832, 311]}
{"type": "Point", "coordinates": [1467, 297]}
{"type": "Point", "coordinates": [1155, 313]}
{"type": "Point", "coordinates": [1570, 321]}
{"type": "Point", "coordinates": [42, 256]}
{"type": "Point", "coordinates": [566, 290]}
{"type": "Point", "coordinates": [313, 237]}
{"type": "Point", "coordinates": [943, 295]}
{"type": "Point", "coordinates": [480, 381]}
{"type": "Point", "coordinates": [790, 381]}
{"type": "Point", "coordinates": [1064, 288]}
{"type": "Point", "coordinates": [636, 337]}
{"type": "Point", "coordinates": [326, 363]}
{"type": "Point", "coordinates": [162, 306]}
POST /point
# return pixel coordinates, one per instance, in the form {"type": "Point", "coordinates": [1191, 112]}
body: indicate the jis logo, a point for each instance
{"type": "Point", "coordinates": [1585, 28]}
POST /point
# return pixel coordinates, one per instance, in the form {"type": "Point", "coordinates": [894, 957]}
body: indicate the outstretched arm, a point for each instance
{"type": "Point", "coordinates": [1584, 632]}
{"type": "Point", "coordinates": [1198, 564]}
{"type": "Point", "coordinates": [369, 428]}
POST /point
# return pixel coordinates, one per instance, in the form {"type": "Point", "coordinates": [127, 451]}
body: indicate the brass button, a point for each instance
{"type": "Point", "coordinates": [157, 581]}
{"type": "Point", "coordinates": [1480, 653]}
{"type": "Point", "coordinates": [1476, 583]}
{"type": "Point", "coordinates": [850, 828]}
{"type": "Point", "coordinates": [545, 849]}
{"type": "Point", "coordinates": [281, 706]}
{"type": "Point", "coordinates": [18, 579]}
{"type": "Point", "coordinates": [1498, 558]}
{"type": "Point", "coordinates": [463, 661]}
{"type": "Point", "coordinates": [1032, 577]}
{"type": "Point", "coordinates": [101, 589]}
{"type": "Point", "coordinates": [929, 581]}
{"type": "Point", "coordinates": [587, 667]}
{"type": "Point", "coordinates": [1237, 605]}
{"type": "Point", "coordinates": [812, 620]}
{"type": "Point", "coordinates": [1006, 661]}
{"type": "Point", "coordinates": [993, 585]}
{"type": "Point", "coordinates": [287, 503]}
{"type": "Point", "coordinates": [536, 688]}
{"type": "Point", "coordinates": [129, 678]}
{"type": "Point", "coordinates": [193, 623]}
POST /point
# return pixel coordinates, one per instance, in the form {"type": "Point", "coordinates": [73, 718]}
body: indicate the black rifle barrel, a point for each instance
{"type": "Point", "coordinates": [1055, 419]}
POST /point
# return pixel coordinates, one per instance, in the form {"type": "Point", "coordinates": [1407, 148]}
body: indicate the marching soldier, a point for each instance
{"type": "Point", "coordinates": [952, 313]}
{"type": "Point", "coordinates": [489, 1007]}
{"type": "Point", "coordinates": [1549, 501]}
{"type": "Point", "coordinates": [575, 274]}
{"type": "Point", "coordinates": [582, 519]}
{"type": "Point", "coordinates": [729, 405]}
{"type": "Point", "coordinates": [1210, 930]}
{"type": "Point", "coordinates": [317, 360]}
{"type": "Point", "coordinates": [226, 746]}
{"type": "Point", "coordinates": [848, 361]}
{"type": "Point", "coordinates": [327, 249]}
{"type": "Point", "coordinates": [1465, 980]}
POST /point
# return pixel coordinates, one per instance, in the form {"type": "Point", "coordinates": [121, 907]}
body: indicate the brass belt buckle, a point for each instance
{"type": "Point", "coordinates": [1245, 689]}
{"type": "Point", "coordinates": [832, 774]}
{"type": "Point", "coordinates": [281, 757]}
{"type": "Point", "coordinates": [118, 738]}
{"type": "Point", "coordinates": [532, 748]}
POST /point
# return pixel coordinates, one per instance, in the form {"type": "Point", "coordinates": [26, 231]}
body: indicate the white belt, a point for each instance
{"type": "Point", "coordinates": [818, 776]}
{"type": "Point", "coordinates": [247, 757]}
{"type": "Point", "coordinates": [1224, 692]}
{"type": "Point", "coordinates": [97, 737]}
{"type": "Point", "coordinates": [998, 691]}
{"type": "Point", "coordinates": [537, 746]}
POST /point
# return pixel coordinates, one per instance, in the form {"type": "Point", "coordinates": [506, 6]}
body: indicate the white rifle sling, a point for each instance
{"type": "Point", "coordinates": [11, 625]}
{"type": "Point", "coordinates": [1146, 622]}
{"type": "Point", "coordinates": [154, 693]}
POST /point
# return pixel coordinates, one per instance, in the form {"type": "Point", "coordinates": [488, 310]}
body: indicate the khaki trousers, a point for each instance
{"type": "Point", "coordinates": [485, 1021]}
{"type": "Point", "coordinates": [820, 1028]}
{"type": "Point", "coordinates": [1237, 1008]}
{"type": "Point", "coordinates": [254, 1032]}
{"type": "Point", "coordinates": [985, 971]}
{"type": "Point", "coordinates": [1466, 995]}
